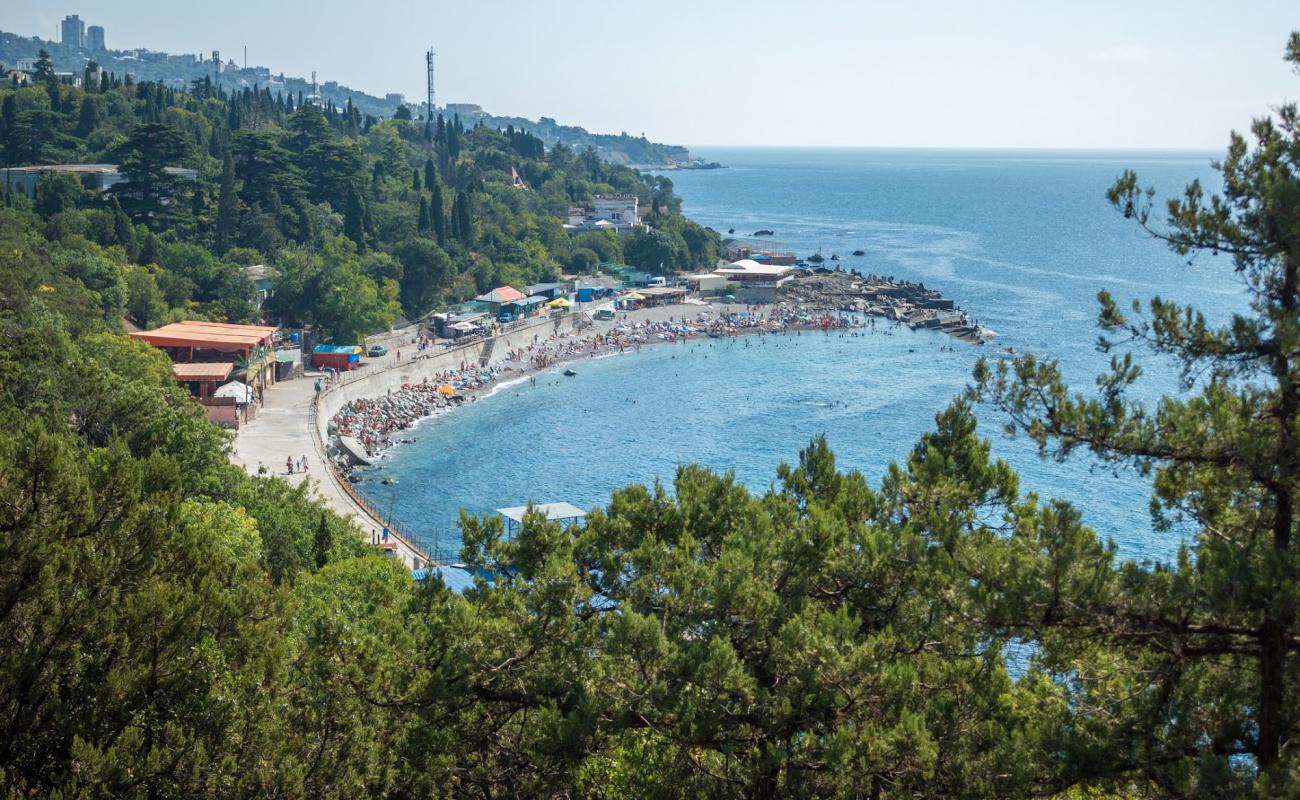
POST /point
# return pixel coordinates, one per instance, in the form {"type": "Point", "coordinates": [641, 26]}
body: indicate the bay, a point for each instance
{"type": "Point", "coordinates": [1021, 240]}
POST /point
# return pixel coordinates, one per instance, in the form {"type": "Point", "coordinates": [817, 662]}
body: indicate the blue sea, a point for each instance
{"type": "Point", "coordinates": [1021, 240]}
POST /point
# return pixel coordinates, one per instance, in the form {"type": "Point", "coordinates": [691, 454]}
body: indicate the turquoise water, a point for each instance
{"type": "Point", "coordinates": [1023, 241]}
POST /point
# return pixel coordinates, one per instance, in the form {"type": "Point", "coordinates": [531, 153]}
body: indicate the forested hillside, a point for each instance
{"type": "Point", "coordinates": [361, 219]}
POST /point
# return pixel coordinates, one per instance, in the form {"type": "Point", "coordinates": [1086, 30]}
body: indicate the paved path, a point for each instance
{"type": "Point", "coordinates": [282, 430]}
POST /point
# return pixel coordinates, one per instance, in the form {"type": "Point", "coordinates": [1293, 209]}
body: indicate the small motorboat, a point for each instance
{"type": "Point", "coordinates": [568, 373]}
{"type": "Point", "coordinates": [859, 252]}
{"type": "Point", "coordinates": [835, 256]}
{"type": "Point", "coordinates": [816, 258]}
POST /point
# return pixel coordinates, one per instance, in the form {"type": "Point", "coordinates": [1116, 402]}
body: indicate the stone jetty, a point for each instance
{"type": "Point", "coordinates": [907, 302]}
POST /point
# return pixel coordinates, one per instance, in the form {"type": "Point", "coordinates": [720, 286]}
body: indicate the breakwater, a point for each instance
{"type": "Point", "coordinates": [908, 302]}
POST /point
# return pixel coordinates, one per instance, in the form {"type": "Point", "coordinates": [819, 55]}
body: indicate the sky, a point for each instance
{"type": "Point", "coordinates": [909, 73]}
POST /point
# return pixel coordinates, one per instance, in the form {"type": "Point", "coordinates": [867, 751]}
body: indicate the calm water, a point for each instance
{"type": "Point", "coordinates": [1023, 241]}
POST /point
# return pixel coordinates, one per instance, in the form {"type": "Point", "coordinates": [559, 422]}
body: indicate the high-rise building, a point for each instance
{"type": "Point", "coordinates": [95, 39]}
{"type": "Point", "coordinates": [74, 31]}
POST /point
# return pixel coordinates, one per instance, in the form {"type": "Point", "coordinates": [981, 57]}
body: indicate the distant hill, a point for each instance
{"type": "Point", "coordinates": [178, 70]}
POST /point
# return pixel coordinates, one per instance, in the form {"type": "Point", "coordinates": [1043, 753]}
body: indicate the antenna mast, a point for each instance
{"type": "Point", "coordinates": [428, 58]}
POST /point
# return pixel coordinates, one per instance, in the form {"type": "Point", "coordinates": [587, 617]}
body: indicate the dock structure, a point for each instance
{"type": "Point", "coordinates": [564, 513]}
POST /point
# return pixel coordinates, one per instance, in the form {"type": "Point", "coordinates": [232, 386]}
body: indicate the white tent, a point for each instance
{"type": "Point", "coordinates": [242, 392]}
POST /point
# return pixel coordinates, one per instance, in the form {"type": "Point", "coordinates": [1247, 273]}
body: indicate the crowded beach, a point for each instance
{"type": "Point", "coordinates": [378, 423]}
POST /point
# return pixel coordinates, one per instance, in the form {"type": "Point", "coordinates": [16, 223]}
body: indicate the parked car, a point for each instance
{"type": "Point", "coordinates": [376, 351]}
{"type": "Point", "coordinates": [605, 313]}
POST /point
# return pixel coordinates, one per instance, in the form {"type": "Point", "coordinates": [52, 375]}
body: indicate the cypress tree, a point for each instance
{"type": "Point", "coordinates": [463, 224]}
{"type": "Point", "coordinates": [438, 212]}
{"type": "Point", "coordinates": [354, 219]}
{"type": "Point", "coordinates": [415, 179]}
{"type": "Point", "coordinates": [88, 117]}
{"type": "Point", "coordinates": [429, 173]}
{"type": "Point", "coordinates": [323, 542]}
{"type": "Point", "coordinates": [425, 223]}
{"type": "Point", "coordinates": [149, 251]}
{"type": "Point", "coordinates": [227, 206]}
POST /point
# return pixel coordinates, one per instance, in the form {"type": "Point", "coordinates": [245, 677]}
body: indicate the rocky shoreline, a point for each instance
{"type": "Point", "coordinates": [909, 303]}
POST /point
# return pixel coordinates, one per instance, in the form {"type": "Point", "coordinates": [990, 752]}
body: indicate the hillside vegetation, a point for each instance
{"type": "Point", "coordinates": [362, 220]}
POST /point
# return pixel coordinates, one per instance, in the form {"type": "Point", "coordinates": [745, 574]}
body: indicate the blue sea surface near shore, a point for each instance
{"type": "Point", "coordinates": [1023, 241]}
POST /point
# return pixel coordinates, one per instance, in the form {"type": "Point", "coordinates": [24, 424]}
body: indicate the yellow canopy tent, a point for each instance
{"type": "Point", "coordinates": [633, 296]}
{"type": "Point", "coordinates": [560, 302]}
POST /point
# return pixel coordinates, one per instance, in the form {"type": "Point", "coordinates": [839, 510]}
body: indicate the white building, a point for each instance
{"type": "Point", "coordinates": [620, 213]}
{"type": "Point", "coordinates": [617, 208]}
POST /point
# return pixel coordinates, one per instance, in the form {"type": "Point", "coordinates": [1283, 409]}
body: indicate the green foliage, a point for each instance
{"type": "Point", "coordinates": [1202, 657]}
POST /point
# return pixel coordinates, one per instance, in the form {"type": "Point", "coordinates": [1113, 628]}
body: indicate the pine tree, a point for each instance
{"type": "Point", "coordinates": [1212, 641]}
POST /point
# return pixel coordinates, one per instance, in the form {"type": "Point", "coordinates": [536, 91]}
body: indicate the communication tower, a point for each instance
{"type": "Point", "coordinates": [428, 59]}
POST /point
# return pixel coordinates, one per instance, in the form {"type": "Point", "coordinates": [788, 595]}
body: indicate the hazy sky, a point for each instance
{"type": "Point", "coordinates": [922, 73]}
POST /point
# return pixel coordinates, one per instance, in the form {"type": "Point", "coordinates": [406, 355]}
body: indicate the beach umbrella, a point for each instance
{"type": "Point", "coordinates": [242, 392]}
{"type": "Point", "coordinates": [560, 302]}
{"type": "Point", "coordinates": [447, 390]}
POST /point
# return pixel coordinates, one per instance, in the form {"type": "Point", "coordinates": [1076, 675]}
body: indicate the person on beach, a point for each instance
{"type": "Point", "coordinates": [304, 463]}
{"type": "Point", "coordinates": [288, 465]}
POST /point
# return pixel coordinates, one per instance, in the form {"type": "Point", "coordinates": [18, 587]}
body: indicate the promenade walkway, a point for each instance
{"type": "Point", "coordinates": [283, 429]}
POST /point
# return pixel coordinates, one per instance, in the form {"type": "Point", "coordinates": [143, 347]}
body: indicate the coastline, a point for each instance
{"type": "Point", "coordinates": [380, 420]}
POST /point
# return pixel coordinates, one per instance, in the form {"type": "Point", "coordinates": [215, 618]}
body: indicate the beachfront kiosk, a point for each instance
{"type": "Point", "coordinates": [564, 513]}
{"type": "Point", "coordinates": [210, 352]}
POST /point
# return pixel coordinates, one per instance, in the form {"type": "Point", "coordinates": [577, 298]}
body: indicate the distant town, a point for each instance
{"type": "Point", "coordinates": [81, 45]}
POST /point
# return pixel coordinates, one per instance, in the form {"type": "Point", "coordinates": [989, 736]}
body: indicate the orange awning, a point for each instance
{"type": "Point", "coordinates": [202, 372]}
{"type": "Point", "coordinates": [212, 335]}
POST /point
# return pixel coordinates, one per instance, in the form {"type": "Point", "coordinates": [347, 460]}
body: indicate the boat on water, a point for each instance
{"type": "Point", "coordinates": [568, 373]}
{"type": "Point", "coordinates": [859, 252]}
{"type": "Point", "coordinates": [816, 258]}
{"type": "Point", "coordinates": [835, 256]}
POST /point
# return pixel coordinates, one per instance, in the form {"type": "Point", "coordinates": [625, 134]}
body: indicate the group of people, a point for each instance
{"type": "Point", "coordinates": [373, 422]}
{"type": "Point", "coordinates": [292, 465]}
